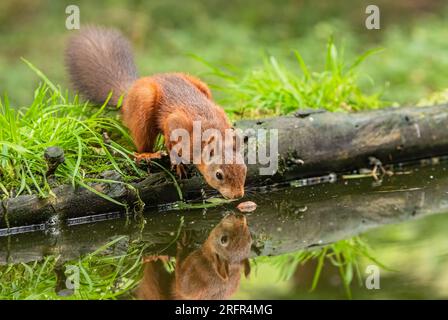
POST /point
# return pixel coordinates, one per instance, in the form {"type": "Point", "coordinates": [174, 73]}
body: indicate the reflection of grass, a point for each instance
{"type": "Point", "coordinates": [344, 254]}
{"type": "Point", "coordinates": [103, 274]}
{"type": "Point", "coordinates": [275, 89]}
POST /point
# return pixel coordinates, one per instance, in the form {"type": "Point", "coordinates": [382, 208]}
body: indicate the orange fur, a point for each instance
{"type": "Point", "coordinates": [198, 84]}
{"type": "Point", "coordinates": [214, 271]}
{"type": "Point", "coordinates": [211, 272]}
{"type": "Point", "coordinates": [100, 62]}
{"type": "Point", "coordinates": [140, 112]}
{"type": "Point", "coordinates": [165, 102]}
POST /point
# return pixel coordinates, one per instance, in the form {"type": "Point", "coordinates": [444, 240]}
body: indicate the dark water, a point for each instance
{"type": "Point", "coordinates": [401, 218]}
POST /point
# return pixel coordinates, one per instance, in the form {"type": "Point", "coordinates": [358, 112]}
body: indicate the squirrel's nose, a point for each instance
{"type": "Point", "coordinates": [240, 193]}
{"type": "Point", "coordinates": [233, 195]}
{"type": "Point", "coordinates": [242, 218]}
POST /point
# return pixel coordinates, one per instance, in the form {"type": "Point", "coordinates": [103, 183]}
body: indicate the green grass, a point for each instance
{"type": "Point", "coordinates": [53, 120]}
{"type": "Point", "coordinates": [438, 97]}
{"type": "Point", "coordinates": [412, 66]}
{"type": "Point", "coordinates": [274, 89]}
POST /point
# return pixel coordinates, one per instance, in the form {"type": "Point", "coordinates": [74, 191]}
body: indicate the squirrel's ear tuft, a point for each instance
{"type": "Point", "coordinates": [246, 265]}
{"type": "Point", "coordinates": [221, 267]}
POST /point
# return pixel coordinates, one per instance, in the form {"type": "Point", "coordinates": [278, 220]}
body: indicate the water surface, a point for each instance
{"type": "Point", "coordinates": [201, 253]}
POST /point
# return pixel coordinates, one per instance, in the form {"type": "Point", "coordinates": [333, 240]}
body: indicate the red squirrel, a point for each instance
{"type": "Point", "coordinates": [214, 270]}
{"type": "Point", "coordinates": [100, 61]}
{"type": "Point", "coordinates": [211, 272]}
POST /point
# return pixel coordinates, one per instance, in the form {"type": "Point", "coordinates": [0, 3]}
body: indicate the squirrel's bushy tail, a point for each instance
{"type": "Point", "coordinates": [100, 60]}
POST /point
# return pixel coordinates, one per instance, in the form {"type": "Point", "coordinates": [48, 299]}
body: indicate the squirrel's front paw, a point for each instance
{"type": "Point", "coordinates": [180, 170]}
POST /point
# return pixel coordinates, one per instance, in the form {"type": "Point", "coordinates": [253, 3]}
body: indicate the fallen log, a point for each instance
{"type": "Point", "coordinates": [309, 144]}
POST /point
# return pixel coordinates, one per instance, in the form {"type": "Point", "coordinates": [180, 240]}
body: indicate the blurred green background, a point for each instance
{"type": "Point", "coordinates": [413, 33]}
{"type": "Point", "coordinates": [237, 34]}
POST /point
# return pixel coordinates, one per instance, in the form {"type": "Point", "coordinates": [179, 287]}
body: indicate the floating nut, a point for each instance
{"type": "Point", "coordinates": [247, 206]}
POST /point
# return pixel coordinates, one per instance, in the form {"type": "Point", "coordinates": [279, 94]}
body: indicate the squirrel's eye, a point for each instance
{"type": "Point", "coordinates": [224, 240]}
{"type": "Point", "coordinates": [219, 175]}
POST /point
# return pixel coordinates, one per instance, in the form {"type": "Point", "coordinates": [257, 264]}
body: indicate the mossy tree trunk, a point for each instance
{"type": "Point", "coordinates": [309, 144]}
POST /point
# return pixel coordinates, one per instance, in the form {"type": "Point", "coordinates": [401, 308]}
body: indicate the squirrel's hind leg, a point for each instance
{"type": "Point", "coordinates": [140, 114]}
{"type": "Point", "coordinates": [148, 156]}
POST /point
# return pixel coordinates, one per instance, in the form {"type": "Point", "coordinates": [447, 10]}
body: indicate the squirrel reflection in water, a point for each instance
{"type": "Point", "coordinates": [211, 272]}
